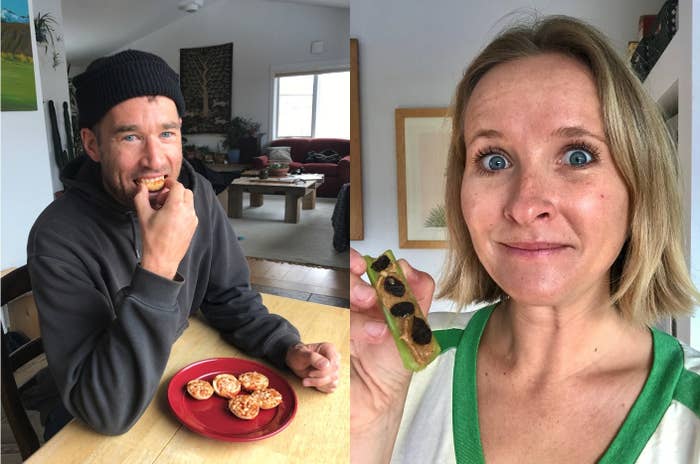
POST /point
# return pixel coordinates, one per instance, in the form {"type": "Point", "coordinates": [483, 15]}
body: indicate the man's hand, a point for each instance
{"type": "Point", "coordinates": [316, 364]}
{"type": "Point", "coordinates": [166, 232]}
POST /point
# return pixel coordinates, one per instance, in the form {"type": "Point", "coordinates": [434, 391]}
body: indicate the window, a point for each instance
{"type": "Point", "coordinates": [313, 105]}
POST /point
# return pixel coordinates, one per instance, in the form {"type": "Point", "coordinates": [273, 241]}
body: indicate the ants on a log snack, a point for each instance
{"type": "Point", "coordinates": [412, 335]}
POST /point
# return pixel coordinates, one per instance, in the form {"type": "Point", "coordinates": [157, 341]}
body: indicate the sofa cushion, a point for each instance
{"type": "Point", "coordinates": [279, 154]}
{"type": "Point", "coordinates": [301, 146]}
{"type": "Point", "coordinates": [327, 169]}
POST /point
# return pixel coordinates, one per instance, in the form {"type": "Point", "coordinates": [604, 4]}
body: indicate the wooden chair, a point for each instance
{"type": "Point", "coordinates": [15, 284]}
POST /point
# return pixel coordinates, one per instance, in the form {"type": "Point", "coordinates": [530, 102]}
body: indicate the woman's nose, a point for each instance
{"type": "Point", "coordinates": [531, 198]}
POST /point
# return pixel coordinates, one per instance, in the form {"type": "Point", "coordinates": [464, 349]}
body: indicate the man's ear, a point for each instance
{"type": "Point", "coordinates": [90, 143]}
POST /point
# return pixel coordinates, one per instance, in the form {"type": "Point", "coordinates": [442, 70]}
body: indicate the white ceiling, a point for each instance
{"type": "Point", "coordinates": [94, 28]}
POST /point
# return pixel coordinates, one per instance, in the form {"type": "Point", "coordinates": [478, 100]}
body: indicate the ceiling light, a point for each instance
{"type": "Point", "coordinates": [191, 6]}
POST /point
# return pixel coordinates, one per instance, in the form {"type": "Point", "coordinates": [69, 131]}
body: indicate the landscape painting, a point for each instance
{"type": "Point", "coordinates": [17, 89]}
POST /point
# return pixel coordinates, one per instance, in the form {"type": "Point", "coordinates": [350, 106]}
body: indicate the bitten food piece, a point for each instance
{"type": "Point", "coordinates": [268, 398]}
{"type": "Point", "coordinates": [226, 385]}
{"type": "Point", "coordinates": [200, 389]}
{"type": "Point", "coordinates": [252, 381]}
{"type": "Point", "coordinates": [412, 335]}
{"type": "Point", "coordinates": [244, 407]}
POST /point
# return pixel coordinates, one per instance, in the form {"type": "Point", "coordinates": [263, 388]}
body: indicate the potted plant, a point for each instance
{"type": "Point", "coordinates": [278, 169]}
{"type": "Point", "coordinates": [242, 134]}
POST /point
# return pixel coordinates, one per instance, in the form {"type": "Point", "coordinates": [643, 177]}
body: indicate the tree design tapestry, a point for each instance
{"type": "Point", "coordinates": [205, 79]}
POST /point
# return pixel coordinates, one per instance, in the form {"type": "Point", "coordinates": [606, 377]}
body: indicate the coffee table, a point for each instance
{"type": "Point", "coordinates": [300, 189]}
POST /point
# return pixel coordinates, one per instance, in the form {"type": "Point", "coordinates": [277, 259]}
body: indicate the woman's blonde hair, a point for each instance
{"type": "Point", "coordinates": [649, 279]}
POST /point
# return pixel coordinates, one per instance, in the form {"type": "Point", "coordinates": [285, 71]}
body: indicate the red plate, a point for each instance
{"type": "Point", "coordinates": [212, 418]}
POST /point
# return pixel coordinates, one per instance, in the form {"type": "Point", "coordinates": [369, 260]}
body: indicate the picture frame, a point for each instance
{"type": "Point", "coordinates": [422, 145]}
{"type": "Point", "coordinates": [357, 228]}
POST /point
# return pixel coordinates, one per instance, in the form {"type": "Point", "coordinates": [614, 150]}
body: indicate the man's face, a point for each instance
{"type": "Point", "coordinates": [138, 140]}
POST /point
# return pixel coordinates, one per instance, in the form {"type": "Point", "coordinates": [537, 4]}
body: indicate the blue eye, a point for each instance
{"type": "Point", "coordinates": [130, 138]}
{"type": "Point", "coordinates": [577, 157]}
{"type": "Point", "coordinates": [168, 134]}
{"type": "Point", "coordinates": [494, 162]}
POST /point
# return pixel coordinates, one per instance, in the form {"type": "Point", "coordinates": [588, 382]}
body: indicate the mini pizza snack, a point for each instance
{"type": "Point", "coordinates": [268, 398]}
{"type": "Point", "coordinates": [154, 184]}
{"type": "Point", "coordinates": [200, 389]}
{"type": "Point", "coordinates": [412, 335]}
{"type": "Point", "coordinates": [226, 385]}
{"type": "Point", "coordinates": [244, 407]}
{"type": "Point", "coordinates": [252, 381]}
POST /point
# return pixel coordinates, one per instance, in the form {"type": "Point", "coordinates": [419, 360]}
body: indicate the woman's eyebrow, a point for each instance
{"type": "Point", "coordinates": [486, 133]}
{"type": "Point", "coordinates": [577, 131]}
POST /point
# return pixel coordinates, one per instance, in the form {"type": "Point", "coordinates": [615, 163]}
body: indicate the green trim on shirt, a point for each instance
{"type": "Point", "coordinates": [649, 408]}
{"type": "Point", "coordinates": [668, 380]}
{"type": "Point", "coordinates": [688, 391]}
{"type": "Point", "coordinates": [465, 408]}
{"type": "Point", "coordinates": [448, 338]}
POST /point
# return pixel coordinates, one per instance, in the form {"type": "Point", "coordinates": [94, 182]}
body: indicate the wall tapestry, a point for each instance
{"type": "Point", "coordinates": [17, 90]}
{"type": "Point", "coordinates": [205, 79]}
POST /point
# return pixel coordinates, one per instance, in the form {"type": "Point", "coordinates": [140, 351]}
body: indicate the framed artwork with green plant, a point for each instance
{"type": "Point", "coordinates": [422, 143]}
{"type": "Point", "coordinates": [18, 89]}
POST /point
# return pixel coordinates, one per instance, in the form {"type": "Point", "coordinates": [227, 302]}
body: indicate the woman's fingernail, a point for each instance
{"type": "Point", "coordinates": [363, 291]}
{"type": "Point", "coordinates": [375, 329]}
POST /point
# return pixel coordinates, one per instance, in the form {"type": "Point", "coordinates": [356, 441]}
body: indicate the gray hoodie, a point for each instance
{"type": "Point", "coordinates": [107, 324]}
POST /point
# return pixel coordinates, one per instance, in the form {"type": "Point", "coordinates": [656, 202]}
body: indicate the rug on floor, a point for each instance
{"type": "Point", "coordinates": [264, 234]}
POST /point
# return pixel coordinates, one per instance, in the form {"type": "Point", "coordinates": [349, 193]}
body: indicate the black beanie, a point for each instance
{"type": "Point", "coordinates": [110, 80]}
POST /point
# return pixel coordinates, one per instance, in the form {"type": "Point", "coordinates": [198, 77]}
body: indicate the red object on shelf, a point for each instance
{"type": "Point", "coordinates": [646, 25]}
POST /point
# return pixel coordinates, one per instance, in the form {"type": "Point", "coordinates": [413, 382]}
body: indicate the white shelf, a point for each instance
{"type": "Point", "coordinates": [672, 82]}
{"type": "Point", "coordinates": [662, 81]}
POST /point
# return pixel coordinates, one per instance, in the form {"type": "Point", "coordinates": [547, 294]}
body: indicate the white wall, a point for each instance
{"type": "Point", "coordinates": [265, 35]}
{"type": "Point", "coordinates": [412, 54]}
{"type": "Point", "coordinates": [27, 185]}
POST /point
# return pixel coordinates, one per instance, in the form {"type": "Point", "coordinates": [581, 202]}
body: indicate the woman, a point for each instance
{"type": "Point", "coordinates": [563, 208]}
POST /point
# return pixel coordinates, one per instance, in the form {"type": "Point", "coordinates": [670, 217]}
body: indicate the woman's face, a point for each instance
{"type": "Point", "coordinates": [546, 208]}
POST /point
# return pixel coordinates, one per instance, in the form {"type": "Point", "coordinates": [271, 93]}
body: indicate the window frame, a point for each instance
{"type": "Point", "coordinates": [303, 72]}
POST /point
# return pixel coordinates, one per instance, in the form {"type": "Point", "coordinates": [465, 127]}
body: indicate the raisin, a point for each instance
{"type": "Point", "coordinates": [394, 286]}
{"type": "Point", "coordinates": [420, 332]}
{"type": "Point", "coordinates": [402, 309]}
{"type": "Point", "coordinates": [381, 263]}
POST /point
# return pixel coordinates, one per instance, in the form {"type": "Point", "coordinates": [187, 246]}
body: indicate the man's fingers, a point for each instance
{"type": "Point", "coordinates": [329, 351]}
{"type": "Point", "coordinates": [320, 382]}
{"type": "Point", "coordinates": [141, 203]}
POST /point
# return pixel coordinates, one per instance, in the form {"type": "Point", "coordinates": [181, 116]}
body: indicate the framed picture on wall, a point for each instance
{"type": "Point", "coordinates": [422, 143]}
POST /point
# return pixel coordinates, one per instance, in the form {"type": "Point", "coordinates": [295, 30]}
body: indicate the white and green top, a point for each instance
{"type": "Point", "coordinates": [440, 420]}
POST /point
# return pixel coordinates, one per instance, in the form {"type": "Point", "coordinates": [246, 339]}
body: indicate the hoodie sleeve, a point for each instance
{"type": "Point", "coordinates": [107, 357]}
{"type": "Point", "coordinates": [233, 307]}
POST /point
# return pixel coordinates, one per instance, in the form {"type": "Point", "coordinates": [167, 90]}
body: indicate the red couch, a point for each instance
{"type": "Point", "coordinates": [335, 175]}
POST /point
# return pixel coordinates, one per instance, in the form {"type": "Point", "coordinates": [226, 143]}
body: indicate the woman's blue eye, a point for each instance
{"type": "Point", "coordinates": [577, 157]}
{"type": "Point", "coordinates": [494, 162]}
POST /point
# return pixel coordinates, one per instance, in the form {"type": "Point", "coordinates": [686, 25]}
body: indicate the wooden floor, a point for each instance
{"type": "Point", "coordinates": [321, 285]}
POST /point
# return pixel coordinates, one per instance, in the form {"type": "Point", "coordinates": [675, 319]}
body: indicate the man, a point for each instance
{"type": "Point", "coordinates": [137, 243]}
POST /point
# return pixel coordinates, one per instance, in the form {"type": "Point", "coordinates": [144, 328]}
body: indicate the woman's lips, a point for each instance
{"type": "Point", "coordinates": [534, 248]}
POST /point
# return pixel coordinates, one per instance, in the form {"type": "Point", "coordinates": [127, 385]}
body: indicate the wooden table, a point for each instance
{"type": "Point", "coordinates": [303, 191]}
{"type": "Point", "coordinates": [318, 433]}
